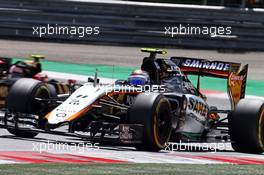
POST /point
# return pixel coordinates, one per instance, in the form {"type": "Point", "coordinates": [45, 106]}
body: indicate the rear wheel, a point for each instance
{"type": "Point", "coordinates": [246, 126]}
{"type": "Point", "coordinates": [21, 98]}
{"type": "Point", "coordinates": [154, 112]}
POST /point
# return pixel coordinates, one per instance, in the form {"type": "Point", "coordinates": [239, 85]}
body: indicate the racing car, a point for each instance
{"type": "Point", "coordinates": [10, 73]}
{"type": "Point", "coordinates": [27, 68]}
{"type": "Point", "coordinates": [155, 105]}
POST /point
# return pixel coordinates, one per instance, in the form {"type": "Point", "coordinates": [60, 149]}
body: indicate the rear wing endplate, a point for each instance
{"type": "Point", "coordinates": [235, 75]}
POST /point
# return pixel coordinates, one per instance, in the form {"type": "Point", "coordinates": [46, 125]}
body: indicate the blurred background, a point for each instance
{"type": "Point", "coordinates": [137, 23]}
{"type": "Point", "coordinates": [228, 3]}
{"type": "Point", "coordinates": [116, 30]}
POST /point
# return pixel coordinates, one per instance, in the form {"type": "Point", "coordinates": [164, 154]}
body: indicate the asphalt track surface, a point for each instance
{"type": "Point", "coordinates": [123, 56]}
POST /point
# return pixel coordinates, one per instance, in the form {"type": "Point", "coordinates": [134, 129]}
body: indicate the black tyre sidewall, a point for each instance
{"type": "Point", "coordinates": [144, 111]}
{"type": "Point", "coordinates": [20, 99]}
{"type": "Point", "coordinates": [21, 95]}
{"type": "Point", "coordinates": [244, 123]}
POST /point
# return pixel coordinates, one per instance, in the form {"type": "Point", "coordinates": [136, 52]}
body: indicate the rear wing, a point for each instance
{"type": "Point", "coordinates": [204, 67]}
{"type": "Point", "coordinates": [5, 64]}
{"type": "Point", "coordinates": [235, 74]}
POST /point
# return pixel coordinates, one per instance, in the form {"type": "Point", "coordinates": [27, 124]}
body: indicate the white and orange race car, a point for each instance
{"type": "Point", "coordinates": [157, 104]}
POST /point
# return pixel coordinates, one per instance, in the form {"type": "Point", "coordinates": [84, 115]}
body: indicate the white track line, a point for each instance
{"type": "Point", "coordinates": [7, 162]}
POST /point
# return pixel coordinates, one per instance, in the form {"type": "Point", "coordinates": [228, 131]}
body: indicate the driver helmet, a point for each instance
{"type": "Point", "coordinates": [139, 77]}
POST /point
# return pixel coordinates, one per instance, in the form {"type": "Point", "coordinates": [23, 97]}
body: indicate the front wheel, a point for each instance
{"type": "Point", "coordinates": [153, 111]}
{"type": "Point", "coordinates": [246, 126]}
{"type": "Point", "coordinates": [21, 99]}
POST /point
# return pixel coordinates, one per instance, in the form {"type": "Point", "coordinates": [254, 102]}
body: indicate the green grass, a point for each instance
{"type": "Point", "coordinates": [125, 169]}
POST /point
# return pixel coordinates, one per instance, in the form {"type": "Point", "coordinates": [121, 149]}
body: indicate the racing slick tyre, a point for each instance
{"type": "Point", "coordinates": [52, 90]}
{"type": "Point", "coordinates": [153, 111]}
{"type": "Point", "coordinates": [21, 98]}
{"type": "Point", "coordinates": [246, 126]}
